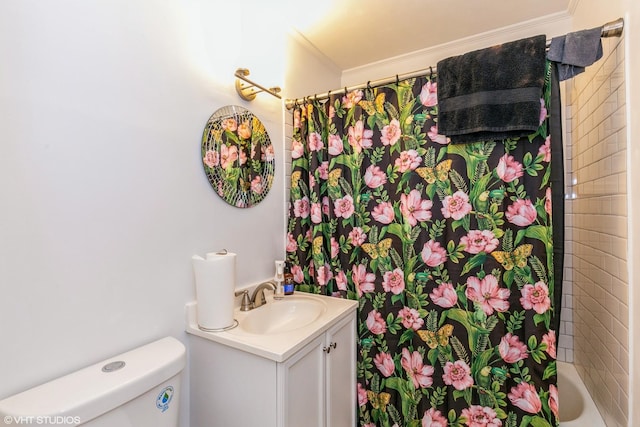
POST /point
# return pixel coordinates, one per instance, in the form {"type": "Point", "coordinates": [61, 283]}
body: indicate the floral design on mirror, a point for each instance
{"type": "Point", "coordinates": [238, 156]}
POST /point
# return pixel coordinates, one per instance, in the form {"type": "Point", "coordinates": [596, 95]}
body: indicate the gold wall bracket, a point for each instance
{"type": "Point", "coordinates": [249, 91]}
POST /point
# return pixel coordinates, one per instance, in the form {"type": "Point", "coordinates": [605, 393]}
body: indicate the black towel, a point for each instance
{"type": "Point", "coordinates": [493, 93]}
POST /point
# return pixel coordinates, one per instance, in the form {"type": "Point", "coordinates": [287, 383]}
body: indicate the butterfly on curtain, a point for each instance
{"type": "Point", "coordinates": [379, 400]}
{"type": "Point", "coordinates": [381, 249]}
{"type": "Point", "coordinates": [515, 258]}
{"type": "Point", "coordinates": [440, 172]}
{"type": "Point", "coordinates": [373, 107]}
{"type": "Point", "coordinates": [438, 338]}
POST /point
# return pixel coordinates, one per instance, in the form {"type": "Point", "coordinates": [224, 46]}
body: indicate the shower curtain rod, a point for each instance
{"type": "Point", "coordinates": [610, 29]}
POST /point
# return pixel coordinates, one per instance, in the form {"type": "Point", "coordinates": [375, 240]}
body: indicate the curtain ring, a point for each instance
{"type": "Point", "coordinates": [369, 84]}
{"type": "Point", "coordinates": [430, 72]}
{"type": "Point", "coordinates": [397, 80]}
{"type": "Point", "coordinates": [345, 90]}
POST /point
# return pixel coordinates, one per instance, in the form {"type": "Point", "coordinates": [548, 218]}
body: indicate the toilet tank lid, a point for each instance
{"type": "Point", "coordinates": [91, 392]}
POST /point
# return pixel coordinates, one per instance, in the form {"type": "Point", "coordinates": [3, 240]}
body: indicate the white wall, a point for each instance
{"type": "Point", "coordinates": [103, 196]}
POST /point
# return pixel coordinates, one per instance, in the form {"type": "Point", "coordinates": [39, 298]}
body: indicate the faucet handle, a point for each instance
{"type": "Point", "coordinates": [246, 304]}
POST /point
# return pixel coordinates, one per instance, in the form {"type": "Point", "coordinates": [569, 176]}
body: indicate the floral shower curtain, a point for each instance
{"type": "Point", "coordinates": [448, 249]}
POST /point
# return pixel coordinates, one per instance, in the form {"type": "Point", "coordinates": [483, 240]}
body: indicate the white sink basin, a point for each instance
{"type": "Point", "coordinates": [278, 329]}
{"type": "Point", "coordinates": [286, 315]}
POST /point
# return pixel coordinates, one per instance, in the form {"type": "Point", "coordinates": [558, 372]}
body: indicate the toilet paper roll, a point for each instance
{"type": "Point", "coordinates": [215, 286]}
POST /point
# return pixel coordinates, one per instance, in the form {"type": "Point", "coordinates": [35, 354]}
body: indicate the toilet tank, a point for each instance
{"type": "Point", "coordinates": [139, 388]}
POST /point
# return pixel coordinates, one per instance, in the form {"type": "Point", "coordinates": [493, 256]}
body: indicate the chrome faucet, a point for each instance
{"type": "Point", "coordinates": [259, 291]}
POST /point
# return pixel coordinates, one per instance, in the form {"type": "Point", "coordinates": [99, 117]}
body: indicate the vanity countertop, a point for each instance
{"type": "Point", "coordinates": [276, 345]}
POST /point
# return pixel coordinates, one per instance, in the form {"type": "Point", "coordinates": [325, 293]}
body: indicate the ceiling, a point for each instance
{"type": "Point", "coordinates": [352, 33]}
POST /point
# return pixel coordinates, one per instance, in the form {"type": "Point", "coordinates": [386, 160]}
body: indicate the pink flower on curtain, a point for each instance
{"type": "Point", "coordinates": [547, 201]}
{"type": "Point", "coordinates": [357, 236]}
{"type": "Point", "coordinates": [481, 416]}
{"type": "Point", "coordinates": [488, 293]}
{"type": "Point", "coordinates": [374, 177]}
{"type": "Point", "coordinates": [351, 99]}
{"type": "Point", "coordinates": [525, 397]}
{"type": "Point", "coordinates": [535, 297]}
{"type": "Point", "coordinates": [324, 274]}
{"type": "Point", "coordinates": [521, 213]}
{"type": "Point", "coordinates": [325, 205]}
{"type": "Point", "coordinates": [211, 158]}
{"type": "Point", "coordinates": [512, 349]}
{"type": "Point", "coordinates": [393, 281]}
{"type": "Point", "coordinates": [296, 119]}
{"type": "Point", "coordinates": [343, 207]}
{"type": "Point", "coordinates": [335, 247]}
{"type": "Point", "coordinates": [456, 206]}
{"type": "Point", "coordinates": [553, 400]}
{"type": "Point", "coordinates": [297, 149]}
{"type": "Point", "coordinates": [411, 318]}
{"type": "Point", "coordinates": [509, 169]}
{"type": "Point", "coordinates": [433, 254]}
{"type": "Point", "coordinates": [383, 213]}
{"type": "Point", "coordinates": [545, 150]}
{"type": "Point", "coordinates": [292, 244]}
{"type": "Point", "coordinates": [315, 142]}
{"type": "Point", "coordinates": [477, 241]}
{"type": "Point", "coordinates": [323, 170]}
{"type": "Point", "coordinates": [384, 363]}
{"type": "Point", "coordinates": [301, 207]}
{"type": "Point", "coordinates": [444, 295]}
{"type": "Point", "coordinates": [363, 281]}
{"type": "Point", "coordinates": [457, 374]}
{"type": "Point", "coordinates": [408, 160]}
{"type": "Point", "coordinates": [335, 145]}
{"type": "Point", "coordinates": [375, 323]}
{"type": "Point", "coordinates": [298, 274]}
{"type": "Point", "coordinates": [429, 94]}
{"type": "Point", "coordinates": [414, 208]}
{"type": "Point", "coordinates": [436, 137]}
{"type": "Point", "coordinates": [549, 339]}
{"type": "Point", "coordinates": [434, 418]}
{"type": "Point", "coordinates": [316, 213]}
{"type": "Point", "coordinates": [391, 133]}
{"type": "Point", "coordinates": [419, 373]}
{"type": "Point", "coordinates": [543, 111]}
{"type": "Point", "coordinates": [341, 280]}
{"type": "Point", "coordinates": [362, 395]}
{"type": "Point", "coordinates": [359, 137]}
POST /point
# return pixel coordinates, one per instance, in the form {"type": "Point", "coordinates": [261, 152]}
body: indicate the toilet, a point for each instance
{"type": "Point", "coordinates": [139, 388]}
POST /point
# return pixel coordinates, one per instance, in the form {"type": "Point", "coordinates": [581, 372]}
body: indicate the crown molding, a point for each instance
{"type": "Point", "coordinates": [552, 25]}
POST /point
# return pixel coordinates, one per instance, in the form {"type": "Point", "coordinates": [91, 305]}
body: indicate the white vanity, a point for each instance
{"type": "Point", "coordinates": [289, 363]}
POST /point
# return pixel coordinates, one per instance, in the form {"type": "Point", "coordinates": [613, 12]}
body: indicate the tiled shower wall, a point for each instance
{"type": "Point", "coordinates": [595, 317]}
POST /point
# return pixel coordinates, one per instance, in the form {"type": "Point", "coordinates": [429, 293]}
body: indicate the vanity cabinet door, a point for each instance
{"type": "Point", "coordinates": [301, 387]}
{"type": "Point", "coordinates": [340, 365]}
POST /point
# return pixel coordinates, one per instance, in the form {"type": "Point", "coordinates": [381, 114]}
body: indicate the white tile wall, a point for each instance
{"type": "Point", "coordinates": [595, 317]}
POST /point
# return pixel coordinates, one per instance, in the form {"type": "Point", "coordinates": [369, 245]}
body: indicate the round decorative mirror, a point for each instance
{"type": "Point", "coordinates": [238, 156]}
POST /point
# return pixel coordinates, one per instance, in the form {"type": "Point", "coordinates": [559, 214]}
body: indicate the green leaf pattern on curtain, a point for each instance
{"type": "Point", "coordinates": [446, 247]}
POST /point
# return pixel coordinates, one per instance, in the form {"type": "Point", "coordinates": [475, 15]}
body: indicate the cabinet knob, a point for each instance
{"type": "Point", "coordinates": [329, 347]}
